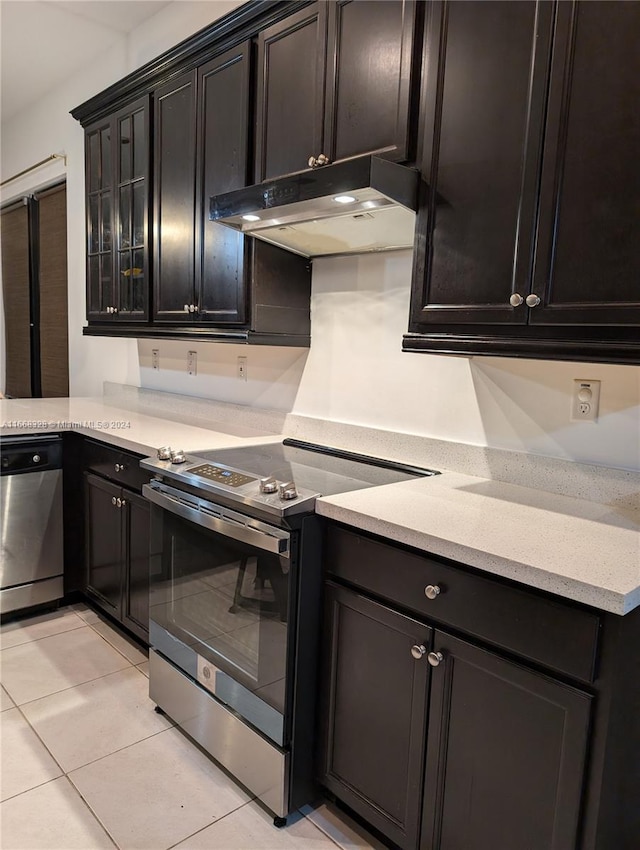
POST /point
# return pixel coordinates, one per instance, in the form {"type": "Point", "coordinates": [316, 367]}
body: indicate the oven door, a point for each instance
{"type": "Point", "coordinates": [220, 600]}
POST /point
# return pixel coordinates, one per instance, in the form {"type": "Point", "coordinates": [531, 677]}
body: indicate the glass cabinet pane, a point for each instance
{"type": "Point", "coordinates": [93, 164]}
{"type": "Point", "coordinates": [106, 287]}
{"type": "Point", "coordinates": [105, 150]}
{"type": "Point", "coordinates": [139, 145]}
{"type": "Point", "coordinates": [94, 284]}
{"type": "Point", "coordinates": [105, 224]}
{"type": "Point", "coordinates": [138, 213]}
{"type": "Point", "coordinates": [125, 281]}
{"type": "Point", "coordinates": [124, 235]}
{"type": "Point", "coordinates": [137, 280]}
{"type": "Point", "coordinates": [93, 224]}
{"type": "Point", "coordinates": [125, 147]}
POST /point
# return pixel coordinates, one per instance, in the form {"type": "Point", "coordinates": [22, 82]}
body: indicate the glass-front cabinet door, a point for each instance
{"type": "Point", "coordinates": [132, 136]}
{"type": "Point", "coordinates": [101, 295]}
{"type": "Point", "coordinates": [117, 155]}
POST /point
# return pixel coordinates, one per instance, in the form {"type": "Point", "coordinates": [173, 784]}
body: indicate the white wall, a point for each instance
{"type": "Point", "coordinates": [355, 370]}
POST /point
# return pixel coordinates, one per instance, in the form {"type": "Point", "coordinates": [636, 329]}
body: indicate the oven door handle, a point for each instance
{"type": "Point", "coordinates": [264, 537]}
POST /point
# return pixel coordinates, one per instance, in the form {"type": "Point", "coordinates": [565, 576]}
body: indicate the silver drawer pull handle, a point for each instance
{"type": "Point", "coordinates": [435, 658]}
{"type": "Point", "coordinates": [417, 650]}
{"type": "Point", "coordinates": [432, 591]}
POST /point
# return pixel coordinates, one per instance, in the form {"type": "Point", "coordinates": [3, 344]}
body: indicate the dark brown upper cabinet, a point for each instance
{"type": "Point", "coordinates": [117, 193]}
{"type": "Point", "coordinates": [205, 274]}
{"type": "Point", "coordinates": [335, 80]}
{"type": "Point", "coordinates": [528, 232]}
{"type": "Point", "coordinates": [201, 148]}
{"type": "Point", "coordinates": [174, 193]}
{"type": "Point", "coordinates": [483, 111]}
{"type": "Point", "coordinates": [587, 267]}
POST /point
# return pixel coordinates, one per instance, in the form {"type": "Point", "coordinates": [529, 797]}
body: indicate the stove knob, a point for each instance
{"type": "Point", "coordinates": [164, 453]}
{"type": "Point", "coordinates": [178, 456]}
{"type": "Point", "coordinates": [287, 491]}
{"type": "Point", "coordinates": [268, 485]}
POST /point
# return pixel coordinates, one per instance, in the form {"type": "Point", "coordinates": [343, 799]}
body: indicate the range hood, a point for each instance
{"type": "Point", "coordinates": [358, 206]}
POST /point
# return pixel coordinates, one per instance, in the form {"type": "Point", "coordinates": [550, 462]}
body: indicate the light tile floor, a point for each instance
{"type": "Point", "coordinates": [86, 763]}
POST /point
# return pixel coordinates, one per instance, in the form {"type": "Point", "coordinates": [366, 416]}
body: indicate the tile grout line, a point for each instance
{"type": "Point", "coordinates": [91, 812]}
{"type": "Point", "coordinates": [71, 687]}
{"type": "Point", "coordinates": [44, 637]}
{"type": "Point", "coordinates": [207, 826]}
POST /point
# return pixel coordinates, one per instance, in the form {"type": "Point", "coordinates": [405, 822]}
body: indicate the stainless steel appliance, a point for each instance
{"type": "Point", "coordinates": [235, 594]}
{"type": "Point", "coordinates": [362, 205]}
{"type": "Point", "coordinates": [31, 553]}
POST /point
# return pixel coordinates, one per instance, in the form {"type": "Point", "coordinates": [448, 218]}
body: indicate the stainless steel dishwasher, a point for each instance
{"type": "Point", "coordinates": [31, 548]}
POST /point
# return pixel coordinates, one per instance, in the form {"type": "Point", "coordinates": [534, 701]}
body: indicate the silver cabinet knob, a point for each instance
{"type": "Point", "coordinates": [322, 160]}
{"type": "Point", "coordinates": [123, 503]}
{"type": "Point", "coordinates": [119, 502]}
{"type": "Point", "coordinates": [119, 467]}
{"type": "Point", "coordinates": [432, 591]}
{"type": "Point", "coordinates": [268, 485]}
{"type": "Point", "coordinates": [114, 501]}
{"type": "Point", "coordinates": [178, 456]}
{"type": "Point", "coordinates": [114, 309]}
{"type": "Point", "coordinates": [164, 453]}
{"type": "Point", "coordinates": [109, 310]}
{"type": "Point", "coordinates": [312, 162]}
{"type": "Point", "coordinates": [192, 308]}
{"type": "Point", "coordinates": [435, 658]}
{"type": "Point", "coordinates": [516, 300]}
{"type": "Point", "coordinates": [418, 651]}
{"type": "Point", "coordinates": [532, 300]}
{"type": "Point", "coordinates": [186, 308]}
{"type": "Point", "coordinates": [36, 458]}
{"type": "Point", "coordinates": [287, 491]}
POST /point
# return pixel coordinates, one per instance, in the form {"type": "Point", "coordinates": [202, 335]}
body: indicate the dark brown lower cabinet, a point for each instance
{"type": "Point", "coordinates": [505, 746]}
{"type": "Point", "coordinates": [117, 552]}
{"type": "Point", "coordinates": [374, 712]}
{"type": "Point", "coordinates": [505, 755]}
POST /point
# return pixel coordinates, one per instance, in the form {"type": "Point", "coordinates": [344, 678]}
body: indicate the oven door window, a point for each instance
{"type": "Point", "coordinates": [227, 600]}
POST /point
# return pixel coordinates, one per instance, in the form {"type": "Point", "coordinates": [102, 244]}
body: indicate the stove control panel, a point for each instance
{"type": "Point", "coordinates": [221, 475]}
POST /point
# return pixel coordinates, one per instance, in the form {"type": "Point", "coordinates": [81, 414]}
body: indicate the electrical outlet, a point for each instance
{"type": "Point", "coordinates": [192, 362]}
{"type": "Point", "coordinates": [155, 358]}
{"type": "Point", "coordinates": [242, 368]}
{"type": "Point", "coordinates": [585, 401]}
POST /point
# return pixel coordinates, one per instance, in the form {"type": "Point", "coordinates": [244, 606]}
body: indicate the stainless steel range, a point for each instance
{"type": "Point", "coordinates": [235, 599]}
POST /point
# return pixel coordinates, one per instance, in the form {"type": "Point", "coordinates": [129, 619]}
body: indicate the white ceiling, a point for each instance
{"type": "Point", "coordinates": [43, 42]}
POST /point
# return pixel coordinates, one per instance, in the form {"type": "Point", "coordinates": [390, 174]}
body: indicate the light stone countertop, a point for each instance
{"type": "Point", "coordinates": [127, 429]}
{"type": "Point", "coordinates": [577, 549]}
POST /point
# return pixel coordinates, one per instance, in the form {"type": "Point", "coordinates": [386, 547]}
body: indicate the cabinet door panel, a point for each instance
{"type": "Point", "coordinates": [174, 198]}
{"type": "Point", "coordinates": [588, 265]}
{"type": "Point", "coordinates": [375, 694]}
{"type": "Point", "coordinates": [368, 84]}
{"type": "Point", "coordinates": [223, 122]}
{"type": "Point", "coordinates": [103, 543]}
{"type": "Point", "coordinates": [483, 109]}
{"type": "Point", "coordinates": [135, 603]}
{"type": "Point", "coordinates": [101, 288]}
{"type": "Point", "coordinates": [132, 212]}
{"type": "Point", "coordinates": [291, 80]}
{"type": "Point", "coordinates": [505, 757]}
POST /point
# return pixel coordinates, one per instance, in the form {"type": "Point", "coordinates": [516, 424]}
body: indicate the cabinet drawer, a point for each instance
{"type": "Point", "coordinates": [555, 634]}
{"type": "Point", "coordinates": [115, 464]}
